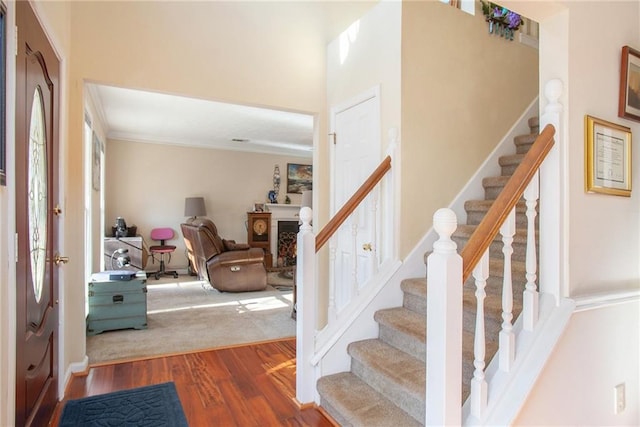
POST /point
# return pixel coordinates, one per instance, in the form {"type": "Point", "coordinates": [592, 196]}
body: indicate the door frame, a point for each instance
{"type": "Point", "coordinates": [371, 93]}
{"type": "Point", "coordinates": [8, 317]}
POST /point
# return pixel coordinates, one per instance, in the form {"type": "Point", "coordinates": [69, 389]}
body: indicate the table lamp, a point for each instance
{"type": "Point", "coordinates": [194, 207]}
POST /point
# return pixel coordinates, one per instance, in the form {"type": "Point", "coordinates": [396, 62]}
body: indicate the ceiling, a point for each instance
{"type": "Point", "coordinates": [151, 117]}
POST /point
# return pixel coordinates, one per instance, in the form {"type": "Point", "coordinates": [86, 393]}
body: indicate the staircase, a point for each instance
{"type": "Point", "coordinates": [386, 384]}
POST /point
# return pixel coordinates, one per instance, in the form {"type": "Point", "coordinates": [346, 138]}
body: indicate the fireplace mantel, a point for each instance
{"type": "Point", "coordinates": [280, 212]}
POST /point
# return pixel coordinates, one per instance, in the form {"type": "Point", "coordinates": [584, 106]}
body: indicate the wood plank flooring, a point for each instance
{"type": "Point", "coordinates": [252, 385]}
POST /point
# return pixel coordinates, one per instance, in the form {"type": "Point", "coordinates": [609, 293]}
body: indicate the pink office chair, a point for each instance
{"type": "Point", "coordinates": [162, 234]}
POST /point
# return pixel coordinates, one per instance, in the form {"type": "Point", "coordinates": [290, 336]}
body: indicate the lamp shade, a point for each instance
{"type": "Point", "coordinates": [194, 206]}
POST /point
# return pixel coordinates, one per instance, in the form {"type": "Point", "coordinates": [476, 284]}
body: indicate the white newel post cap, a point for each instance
{"type": "Point", "coordinates": [445, 223]}
{"type": "Point", "coordinates": [306, 215]}
{"type": "Point", "coordinates": [553, 90]}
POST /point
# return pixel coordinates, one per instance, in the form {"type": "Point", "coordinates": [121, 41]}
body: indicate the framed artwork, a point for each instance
{"type": "Point", "coordinates": [629, 99]}
{"type": "Point", "coordinates": [258, 207]}
{"type": "Point", "coordinates": [299, 178]}
{"type": "Point", "coordinates": [607, 157]}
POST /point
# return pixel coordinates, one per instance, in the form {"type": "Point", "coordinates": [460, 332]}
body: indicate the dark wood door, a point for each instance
{"type": "Point", "coordinates": [36, 222]}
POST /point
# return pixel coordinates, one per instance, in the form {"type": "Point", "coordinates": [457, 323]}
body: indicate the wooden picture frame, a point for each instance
{"type": "Point", "coordinates": [629, 98]}
{"type": "Point", "coordinates": [299, 178]}
{"type": "Point", "coordinates": [607, 157]}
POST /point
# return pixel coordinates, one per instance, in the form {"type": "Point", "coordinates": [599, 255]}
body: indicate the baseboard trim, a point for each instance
{"type": "Point", "coordinates": [75, 369]}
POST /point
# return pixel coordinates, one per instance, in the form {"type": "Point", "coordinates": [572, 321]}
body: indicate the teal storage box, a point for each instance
{"type": "Point", "coordinates": [117, 304]}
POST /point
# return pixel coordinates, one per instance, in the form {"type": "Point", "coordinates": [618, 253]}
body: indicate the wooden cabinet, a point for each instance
{"type": "Point", "coordinates": [259, 233]}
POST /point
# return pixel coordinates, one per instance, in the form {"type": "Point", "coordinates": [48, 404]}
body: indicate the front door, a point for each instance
{"type": "Point", "coordinates": [37, 218]}
{"type": "Point", "coordinates": [357, 154]}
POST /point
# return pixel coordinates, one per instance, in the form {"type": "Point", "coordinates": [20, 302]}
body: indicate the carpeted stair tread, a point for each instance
{"type": "Point", "coordinates": [354, 403]}
{"type": "Point", "coordinates": [403, 329]}
{"type": "Point", "coordinates": [524, 142]}
{"type": "Point", "coordinates": [495, 181]}
{"type": "Point", "coordinates": [494, 185]}
{"type": "Point", "coordinates": [509, 163]}
{"type": "Point", "coordinates": [534, 122]}
{"type": "Point", "coordinates": [484, 205]}
{"type": "Point", "coordinates": [394, 373]}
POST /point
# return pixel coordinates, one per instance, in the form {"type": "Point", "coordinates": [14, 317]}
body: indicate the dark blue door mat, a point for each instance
{"type": "Point", "coordinates": [155, 405]}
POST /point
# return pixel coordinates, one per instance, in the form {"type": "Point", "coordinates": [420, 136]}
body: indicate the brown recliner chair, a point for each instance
{"type": "Point", "coordinates": [227, 265]}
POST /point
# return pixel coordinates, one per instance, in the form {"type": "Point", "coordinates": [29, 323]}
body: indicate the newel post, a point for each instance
{"type": "Point", "coordinates": [444, 325]}
{"type": "Point", "coordinates": [553, 182]}
{"type": "Point", "coordinates": [306, 306]}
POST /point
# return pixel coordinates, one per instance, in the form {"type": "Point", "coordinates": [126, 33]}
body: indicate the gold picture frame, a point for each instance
{"type": "Point", "coordinates": [607, 157]}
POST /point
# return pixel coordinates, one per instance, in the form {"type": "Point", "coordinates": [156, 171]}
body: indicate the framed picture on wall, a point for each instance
{"type": "Point", "coordinates": [299, 178]}
{"type": "Point", "coordinates": [629, 97]}
{"type": "Point", "coordinates": [607, 157]}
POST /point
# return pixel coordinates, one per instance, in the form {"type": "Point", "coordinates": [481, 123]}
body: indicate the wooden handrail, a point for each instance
{"type": "Point", "coordinates": [505, 202]}
{"type": "Point", "coordinates": [357, 198]}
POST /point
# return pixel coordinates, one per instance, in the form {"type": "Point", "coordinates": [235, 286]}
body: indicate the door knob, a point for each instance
{"type": "Point", "coordinates": [60, 259]}
{"type": "Point", "coordinates": [366, 246]}
{"type": "Point", "coordinates": [57, 210]}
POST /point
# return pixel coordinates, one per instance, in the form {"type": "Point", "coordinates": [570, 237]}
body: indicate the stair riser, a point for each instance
{"type": "Point", "coordinates": [508, 170]}
{"type": "Point", "coordinates": [335, 414]}
{"type": "Point", "coordinates": [412, 405]}
{"type": "Point", "coordinates": [402, 341]}
{"type": "Point", "coordinates": [523, 148]}
{"type": "Point", "coordinates": [492, 192]}
{"type": "Point", "coordinates": [415, 303]}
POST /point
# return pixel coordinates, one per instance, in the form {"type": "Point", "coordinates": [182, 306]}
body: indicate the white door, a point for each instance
{"type": "Point", "coordinates": [356, 126]}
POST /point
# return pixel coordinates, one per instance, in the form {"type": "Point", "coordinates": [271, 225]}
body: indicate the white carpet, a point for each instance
{"type": "Point", "coordinates": [189, 315]}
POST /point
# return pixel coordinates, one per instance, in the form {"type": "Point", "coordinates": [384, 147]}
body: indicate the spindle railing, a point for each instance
{"type": "Point", "coordinates": [447, 271]}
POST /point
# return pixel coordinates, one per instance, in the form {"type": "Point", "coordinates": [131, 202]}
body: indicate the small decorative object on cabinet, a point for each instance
{"type": "Point", "coordinates": [117, 304]}
{"type": "Point", "coordinates": [259, 233]}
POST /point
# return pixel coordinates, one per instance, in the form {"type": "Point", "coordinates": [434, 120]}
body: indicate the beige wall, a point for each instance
{"type": "Point", "coordinates": [264, 54]}
{"type": "Point", "coordinates": [147, 184]}
{"type": "Point", "coordinates": [462, 89]}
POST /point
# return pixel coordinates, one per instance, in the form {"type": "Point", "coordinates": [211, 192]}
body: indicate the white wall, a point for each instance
{"type": "Point", "coordinates": [604, 230]}
{"type": "Point", "coordinates": [598, 351]}
{"type": "Point", "coordinates": [147, 184]}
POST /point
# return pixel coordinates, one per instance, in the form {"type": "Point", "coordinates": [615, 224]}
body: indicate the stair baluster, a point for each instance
{"type": "Point", "coordinates": [531, 296]}
{"type": "Point", "coordinates": [332, 310]}
{"type": "Point", "coordinates": [507, 336]}
{"type": "Point", "coordinates": [479, 389]}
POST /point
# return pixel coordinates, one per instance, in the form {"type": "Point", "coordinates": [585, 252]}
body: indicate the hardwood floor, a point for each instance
{"type": "Point", "coordinates": [251, 385]}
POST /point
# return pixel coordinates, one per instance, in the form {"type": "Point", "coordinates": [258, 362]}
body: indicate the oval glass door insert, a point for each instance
{"type": "Point", "coordinates": [37, 194]}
